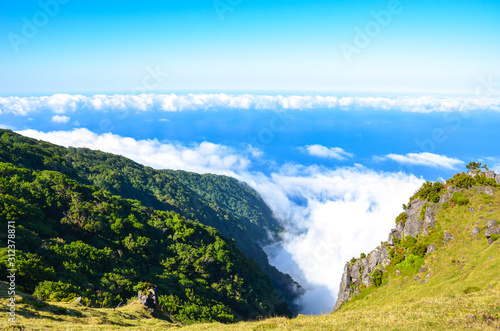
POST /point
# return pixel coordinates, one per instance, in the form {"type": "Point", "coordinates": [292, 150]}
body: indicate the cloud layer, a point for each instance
{"type": "Point", "coordinates": [424, 159]}
{"type": "Point", "coordinates": [330, 215]}
{"type": "Point", "coordinates": [65, 103]}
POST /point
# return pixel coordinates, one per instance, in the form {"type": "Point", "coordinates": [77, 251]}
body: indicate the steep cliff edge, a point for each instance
{"type": "Point", "coordinates": [461, 213]}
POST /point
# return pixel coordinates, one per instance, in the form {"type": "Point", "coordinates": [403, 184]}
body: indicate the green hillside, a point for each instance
{"type": "Point", "coordinates": [75, 241]}
{"type": "Point", "coordinates": [222, 202]}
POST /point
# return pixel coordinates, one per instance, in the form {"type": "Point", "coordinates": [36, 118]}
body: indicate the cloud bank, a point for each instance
{"type": "Point", "coordinates": [65, 103]}
{"type": "Point", "coordinates": [329, 215]}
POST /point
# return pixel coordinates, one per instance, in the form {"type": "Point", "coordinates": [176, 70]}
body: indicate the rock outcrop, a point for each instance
{"type": "Point", "coordinates": [149, 298]}
{"type": "Point", "coordinates": [414, 223]}
{"type": "Point", "coordinates": [359, 272]}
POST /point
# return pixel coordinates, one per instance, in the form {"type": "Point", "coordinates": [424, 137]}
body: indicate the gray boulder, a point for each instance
{"type": "Point", "coordinates": [413, 226]}
{"type": "Point", "coordinates": [491, 224]}
{"type": "Point", "coordinates": [448, 236]}
{"type": "Point", "coordinates": [497, 179]}
{"type": "Point", "coordinates": [476, 230]}
{"type": "Point", "coordinates": [148, 298]}
{"type": "Point", "coordinates": [490, 231]}
{"type": "Point", "coordinates": [489, 173]}
{"type": "Point", "coordinates": [431, 248]}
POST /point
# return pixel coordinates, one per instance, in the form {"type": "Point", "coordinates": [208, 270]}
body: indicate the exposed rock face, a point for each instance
{"type": "Point", "coordinates": [396, 233]}
{"type": "Point", "coordinates": [413, 225]}
{"type": "Point", "coordinates": [429, 217]}
{"type": "Point", "coordinates": [359, 272]}
{"type": "Point", "coordinates": [446, 197]}
{"type": "Point", "coordinates": [148, 298]}
{"type": "Point", "coordinates": [497, 179]}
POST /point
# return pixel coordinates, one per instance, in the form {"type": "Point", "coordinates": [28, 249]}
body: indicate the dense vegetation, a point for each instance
{"type": "Point", "coordinates": [231, 207]}
{"type": "Point", "coordinates": [75, 240]}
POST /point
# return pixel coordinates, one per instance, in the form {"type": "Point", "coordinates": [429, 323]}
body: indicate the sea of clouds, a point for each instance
{"type": "Point", "coordinates": [66, 103]}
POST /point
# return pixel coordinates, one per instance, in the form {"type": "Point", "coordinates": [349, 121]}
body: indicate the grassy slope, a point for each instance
{"type": "Point", "coordinates": [402, 303]}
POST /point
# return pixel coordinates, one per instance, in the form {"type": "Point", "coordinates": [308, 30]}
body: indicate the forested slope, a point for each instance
{"type": "Point", "coordinates": [75, 240]}
{"type": "Point", "coordinates": [231, 207]}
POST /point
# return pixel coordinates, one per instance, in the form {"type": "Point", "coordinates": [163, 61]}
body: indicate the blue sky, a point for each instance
{"type": "Point", "coordinates": [95, 46]}
{"type": "Point", "coordinates": [334, 111]}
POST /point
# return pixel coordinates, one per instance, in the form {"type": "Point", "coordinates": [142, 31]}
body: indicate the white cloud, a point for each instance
{"type": "Point", "coordinates": [60, 119]}
{"type": "Point", "coordinates": [329, 215]}
{"type": "Point", "coordinates": [203, 158]}
{"type": "Point", "coordinates": [65, 103]}
{"type": "Point", "coordinates": [423, 159]}
{"type": "Point", "coordinates": [332, 152]}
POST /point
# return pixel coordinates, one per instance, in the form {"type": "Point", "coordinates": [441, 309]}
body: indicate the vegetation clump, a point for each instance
{"type": "Point", "coordinates": [459, 199]}
{"type": "Point", "coordinates": [401, 218]}
{"type": "Point", "coordinates": [429, 192]}
{"type": "Point", "coordinates": [376, 278]}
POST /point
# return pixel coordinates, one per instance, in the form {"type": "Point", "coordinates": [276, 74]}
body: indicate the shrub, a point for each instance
{"type": "Point", "coordinates": [459, 199]}
{"type": "Point", "coordinates": [397, 255]}
{"type": "Point", "coordinates": [401, 218]}
{"type": "Point", "coordinates": [430, 191]}
{"type": "Point", "coordinates": [414, 247]}
{"type": "Point", "coordinates": [482, 180]}
{"type": "Point", "coordinates": [462, 180]}
{"type": "Point", "coordinates": [363, 255]}
{"type": "Point", "coordinates": [55, 291]}
{"type": "Point", "coordinates": [377, 278]}
{"type": "Point", "coordinates": [494, 237]}
{"type": "Point", "coordinates": [471, 289]}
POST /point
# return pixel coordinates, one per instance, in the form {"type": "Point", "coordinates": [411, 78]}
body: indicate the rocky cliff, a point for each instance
{"type": "Point", "coordinates": [411, 236]}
